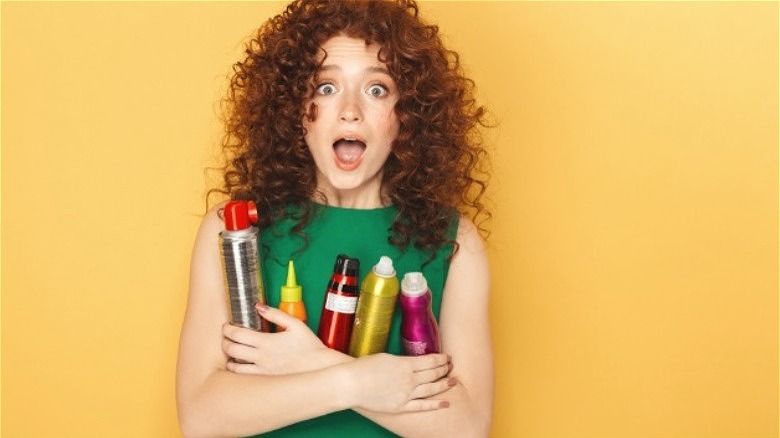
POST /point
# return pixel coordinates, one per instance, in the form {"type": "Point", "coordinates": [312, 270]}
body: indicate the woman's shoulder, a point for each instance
{"type": "Point", "coordinates": [211, 223]}
{"type": "Point", "coordinates": [468, 235]}
{"type": "Point", "coordinates": [214, 214]}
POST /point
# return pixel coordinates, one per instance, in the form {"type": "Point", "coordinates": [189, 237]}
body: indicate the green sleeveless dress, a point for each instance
{"type": "Point", "coordinates": [361, 234]}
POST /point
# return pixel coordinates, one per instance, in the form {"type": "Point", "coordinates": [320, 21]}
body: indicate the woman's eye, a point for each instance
{"type": "Point", "coordinates": [377, 90]}
{"type": "Point", "coordinates": [326, 89]}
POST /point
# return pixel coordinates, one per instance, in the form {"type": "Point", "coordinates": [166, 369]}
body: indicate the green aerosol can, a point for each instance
{"type": "Point", "coordinates": [376, 304]}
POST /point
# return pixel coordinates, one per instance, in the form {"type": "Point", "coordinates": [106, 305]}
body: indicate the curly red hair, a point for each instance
{"type": "Point", "coordinates": [437, 164]}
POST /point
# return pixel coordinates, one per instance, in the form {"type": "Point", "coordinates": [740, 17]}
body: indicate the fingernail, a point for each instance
{"type": "Point", "coordinates": [452, 382]}
{"type": "Point", "coordinates": [444, 404]}
{"type": "Point", "coordinates": [261, 307]}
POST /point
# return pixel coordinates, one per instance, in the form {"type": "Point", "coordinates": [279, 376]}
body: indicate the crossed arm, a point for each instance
{"type": "Point", "coordinates": [445, 394]}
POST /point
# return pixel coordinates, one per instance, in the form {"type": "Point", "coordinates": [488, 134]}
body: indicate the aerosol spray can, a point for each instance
{"type": "Point", "coordinates": [240, 265]}
{"type": "Point", "coordinates": [378, 294]}
{"type": "Point", "coordinates": [338, 310]}
{"type": "Point", "coordinates": [419, 331]}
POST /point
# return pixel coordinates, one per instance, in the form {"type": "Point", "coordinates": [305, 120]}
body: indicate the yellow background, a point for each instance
{"type": "Point", "coordinates": [634, 243]}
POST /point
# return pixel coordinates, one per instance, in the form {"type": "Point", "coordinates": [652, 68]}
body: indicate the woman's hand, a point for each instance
{"type": "Point", "coordinates": [392, 384]}
{"type": "Point", "coordinates": [294, 350]}
{"type": "Point", "coordinates": [379, 382]}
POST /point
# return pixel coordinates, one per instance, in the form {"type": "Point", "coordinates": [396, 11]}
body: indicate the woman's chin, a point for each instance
{"type": "Point", "coordinates": [352, 183]}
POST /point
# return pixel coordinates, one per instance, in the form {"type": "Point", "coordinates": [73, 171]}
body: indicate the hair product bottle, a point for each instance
{"type": "Point", "coordinates": [238, 245]}
{"type": "Point", "coordinates": [378, 294]}
{"type": "Point", "coordinates": [291, 302]}
{"type": "Point", "coordinates": [338, 310]}
{"type": "Point", "coordinates": [419, 331]}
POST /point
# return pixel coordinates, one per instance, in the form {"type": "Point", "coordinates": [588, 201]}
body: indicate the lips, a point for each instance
{"type": "Point", "coordinates": [348, 151]}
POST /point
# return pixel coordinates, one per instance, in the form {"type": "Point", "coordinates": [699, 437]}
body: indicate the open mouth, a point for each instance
{"type": "Point", "coordinates": [348, 152]}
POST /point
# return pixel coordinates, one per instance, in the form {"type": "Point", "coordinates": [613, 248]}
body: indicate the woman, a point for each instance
{"type": "Point", "coordinates": [354, 131]}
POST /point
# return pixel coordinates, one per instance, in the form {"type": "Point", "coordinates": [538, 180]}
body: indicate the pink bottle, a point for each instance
{"type": "Point", "coordinates": [419, 331]}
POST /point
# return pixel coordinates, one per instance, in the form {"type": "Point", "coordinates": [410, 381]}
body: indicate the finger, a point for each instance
{"type": "Point", "coordinates": [241, 335]}
{"type": "Point", "coordinates": [432, 375]}
{"type": "Point", "coordinates": [429, 361]}
{"type": "Point", "coordinates": [419, 405]}
{"type": "Point", "coordinates": [242, 368]}
{"type": "Point", "coordinates": [237, 351]}
{"type": "Point", "coordinates": [276, 316]}
{"type": "Point", "coordinates": [430, 389]}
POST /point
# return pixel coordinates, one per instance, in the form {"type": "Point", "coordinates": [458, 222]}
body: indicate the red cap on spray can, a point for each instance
{"type": "Point", "coordinates": [240, 215]}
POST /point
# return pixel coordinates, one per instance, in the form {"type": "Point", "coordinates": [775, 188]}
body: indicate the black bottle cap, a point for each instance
{"type": "Point", "coordinates": [346, 265]}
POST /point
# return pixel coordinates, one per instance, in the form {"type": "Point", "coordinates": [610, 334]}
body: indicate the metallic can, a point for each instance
{"type": "Point", "coordinates": [241, 272]}
{"type": "Point", "coordinates": [419, 329]}
{"type": "Point", "coordinates": [378, 294]}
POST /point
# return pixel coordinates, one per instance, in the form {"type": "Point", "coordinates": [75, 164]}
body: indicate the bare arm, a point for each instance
{"type": "Point", "coordinates": [465, 336]}
{"type": "Point", "coordinates": [213, 401]}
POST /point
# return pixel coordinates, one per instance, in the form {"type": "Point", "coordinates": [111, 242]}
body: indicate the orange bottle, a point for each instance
{"type": "Point", "coordinates": [292, 302]}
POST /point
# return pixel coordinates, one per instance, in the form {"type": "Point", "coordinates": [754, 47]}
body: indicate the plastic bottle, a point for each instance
{"type": "Point", "coordinates": [419, 330]}
{"type": "Point", "coordinates": [238, 247]}
{"type": "Point", "coordinates": [338, 308]}
{"type": "Point", "coordinates": [291, 302]}
{"type": "Point", "coordinates": [378, 294]}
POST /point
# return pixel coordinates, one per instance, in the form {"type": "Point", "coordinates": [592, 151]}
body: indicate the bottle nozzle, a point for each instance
{"type": "Point", "coordinates": [291, 291]}
{"type": "Point", "coordinates": [240, 215]}
{"type": "Point", "coordinates": [414, 284]}
{"type": "Point", "coordinates": [385, 267]}
{"type": "Point", "coordinates": [291, 274]}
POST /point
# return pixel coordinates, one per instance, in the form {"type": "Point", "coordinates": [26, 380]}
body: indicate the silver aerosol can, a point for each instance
{"type": "Point", "coordinates": [238, 246]}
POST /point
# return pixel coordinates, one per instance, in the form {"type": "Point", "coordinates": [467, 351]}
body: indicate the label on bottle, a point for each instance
{"type": "Point", "coordinates": [341, 303]}
{"type": "Point", "coordinates": [414, 348]}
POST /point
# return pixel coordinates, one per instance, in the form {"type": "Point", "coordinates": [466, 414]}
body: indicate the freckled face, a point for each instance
{"type": "Point", "coordinates": [355, 126]}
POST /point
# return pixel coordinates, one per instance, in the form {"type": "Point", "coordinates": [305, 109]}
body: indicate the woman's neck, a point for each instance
{"type": "Point", "coordinates": [358, 198]}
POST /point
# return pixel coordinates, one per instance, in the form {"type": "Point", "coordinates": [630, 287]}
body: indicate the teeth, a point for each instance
{"type": "Point", "coordinates": [350, 139]}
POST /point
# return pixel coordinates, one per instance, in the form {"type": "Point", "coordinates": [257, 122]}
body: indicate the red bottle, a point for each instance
{"type": "Point", "coordinates": [338, 310]}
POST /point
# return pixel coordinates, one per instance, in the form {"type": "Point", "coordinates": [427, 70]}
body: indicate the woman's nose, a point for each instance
{"type": "Point", "coordinates": [350, 109]}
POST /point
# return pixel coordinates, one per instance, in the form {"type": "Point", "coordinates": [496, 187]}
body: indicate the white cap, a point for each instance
{"type": "Point", "coordinates": [414, 284]}
{"type": "Point", "coordinates": [385, 267]}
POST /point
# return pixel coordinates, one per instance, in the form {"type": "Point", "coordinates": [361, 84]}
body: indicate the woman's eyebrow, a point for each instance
{"type": "Point", "coordinates": [372, 69]}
